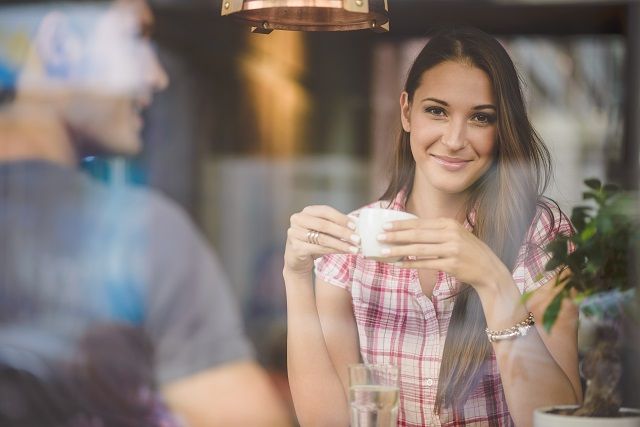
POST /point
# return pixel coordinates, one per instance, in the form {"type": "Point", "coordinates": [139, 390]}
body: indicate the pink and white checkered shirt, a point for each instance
{"type": "Point", "coordinates": [399, 325]}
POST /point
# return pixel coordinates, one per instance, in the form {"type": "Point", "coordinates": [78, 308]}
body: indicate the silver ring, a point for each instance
{"type": "Point", "coordinates": [313, 237]}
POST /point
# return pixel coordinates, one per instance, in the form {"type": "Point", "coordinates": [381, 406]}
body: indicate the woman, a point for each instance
{"type": "Point", "coordinates": [471, 167]}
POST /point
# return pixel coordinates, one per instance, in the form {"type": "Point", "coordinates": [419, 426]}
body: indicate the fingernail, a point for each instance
{"type": "Point", "coordinates": [387, 226]}
{"type": "Point", "coordinates": [354, 250]}
{"type": "Point", "coordinates": [382, 236]}
{"type": "Point", "coordinates": [351, 225]}
{"type": "Point", "coordinates": [355, 238]}
{"type": "Point", "coordinates": [385, 251]}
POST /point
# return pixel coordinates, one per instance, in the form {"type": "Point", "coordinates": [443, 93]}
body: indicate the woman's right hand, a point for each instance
{"type": "Point", "coordinates": [336, 235]}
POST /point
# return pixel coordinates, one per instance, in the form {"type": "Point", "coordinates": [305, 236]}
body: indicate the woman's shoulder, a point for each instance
{"type": "Point", "coordinates": [549, 221]}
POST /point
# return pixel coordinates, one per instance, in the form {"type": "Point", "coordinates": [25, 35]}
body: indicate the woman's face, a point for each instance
{"type": "Point", "coordinates": [452, 126]}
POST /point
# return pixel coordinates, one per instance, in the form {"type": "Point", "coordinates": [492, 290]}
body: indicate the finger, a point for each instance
{"type": "Point", "coordinates": [309, 222]}
{"type": "Point", "coordinates": [301, 250]}
{"type": "Point", "coordinates": [330, 214]}
{"type": "Point", "coordinates": [415, 236]}
{"type": "Point", "coordinates": [406, 224]}
{"type": "Point", "coordinates": [316, 251]}
{"type": "Point", "coordinates": [324, 241]}
{"type": "Point", "coordinates": [431, 263]}
{"type": "Point", "coordinates": [419, 250]}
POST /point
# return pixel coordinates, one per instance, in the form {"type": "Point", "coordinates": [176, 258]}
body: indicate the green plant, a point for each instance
{"type": "Point", "coordinates": [605, 249]}
{"type": "Point", "coordinates": [604, 240]}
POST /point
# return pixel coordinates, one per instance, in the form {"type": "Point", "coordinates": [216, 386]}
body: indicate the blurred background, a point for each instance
{"type": "Point", "coordinates": [254, 127]}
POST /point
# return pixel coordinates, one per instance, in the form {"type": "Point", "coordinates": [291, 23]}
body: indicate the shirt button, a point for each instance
{"type": "Point", "coordinates": [429, 382]}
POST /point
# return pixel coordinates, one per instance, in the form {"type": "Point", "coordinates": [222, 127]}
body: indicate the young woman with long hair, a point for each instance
{"type": "Point", "coordinates": [470, 166]}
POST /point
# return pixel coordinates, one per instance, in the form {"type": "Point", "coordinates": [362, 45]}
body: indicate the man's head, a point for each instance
{"type": "Point", "coordinates": [91, 64]}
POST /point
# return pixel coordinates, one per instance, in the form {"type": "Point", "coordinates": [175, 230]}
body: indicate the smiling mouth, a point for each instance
{"type": "Point", "coordinates": [141, 103]}
{"type": "Point", "coordinates": [450, 163]}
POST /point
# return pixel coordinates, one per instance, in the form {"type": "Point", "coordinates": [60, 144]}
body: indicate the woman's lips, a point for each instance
{"type": "Point", "coordinates": [450, 163]}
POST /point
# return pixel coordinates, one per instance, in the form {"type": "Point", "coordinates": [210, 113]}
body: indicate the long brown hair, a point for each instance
{"type": "Point", "coordinates": [504, 198]}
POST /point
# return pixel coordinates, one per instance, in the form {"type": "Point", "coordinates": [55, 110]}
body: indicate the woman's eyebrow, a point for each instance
{"type": "Point", "coordinates": [446, 104]}
{"type": "Point", "coordinates": [439, 101]}
{"type": "Point", "coordinates": [485, 106]}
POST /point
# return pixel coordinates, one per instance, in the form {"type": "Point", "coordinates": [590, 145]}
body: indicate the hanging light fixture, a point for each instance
{"type": "Point", "coordinates": [265, 16]}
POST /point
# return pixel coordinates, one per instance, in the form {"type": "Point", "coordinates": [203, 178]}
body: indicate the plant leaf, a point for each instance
{"type": "Point", "coordinates": [588, 232]}
{"type": "Point", "coordinates": [610, 189]}
{"type": "Point", "coordinates": [552, 264]}
{"type": "Point", "coordinates": [605, 242]}
{"type": "Point", "coordinates": [551, 313]}
{"type": "Point", "coordinates": [579, 216]}
{"type": "Point", "coordinates": [526, 296]}
{"type": "Point", "coordinates": [579, 298]}
{"type": "Point", "coordinates": [593, 183]}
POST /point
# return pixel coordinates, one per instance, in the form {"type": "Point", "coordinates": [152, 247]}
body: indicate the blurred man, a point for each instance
{"type": "Point", "coordinates": [86, 270]}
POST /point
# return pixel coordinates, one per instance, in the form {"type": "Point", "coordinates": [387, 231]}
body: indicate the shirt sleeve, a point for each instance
{"type": "Point", "coordinates": [549, 222]}
{"type": "Point", "coordinates": [336, 269]}
{"type": "Point", "coordinates": [192, 316]}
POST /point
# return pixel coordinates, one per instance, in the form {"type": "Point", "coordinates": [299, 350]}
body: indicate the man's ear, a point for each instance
{"type": "Point", "coordinates": [58, 47]}
{"type": "Point", "coordinates": [405, 109]}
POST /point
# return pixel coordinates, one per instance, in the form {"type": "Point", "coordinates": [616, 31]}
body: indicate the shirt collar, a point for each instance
{"type": "Point", "coordinates": [400, 201]}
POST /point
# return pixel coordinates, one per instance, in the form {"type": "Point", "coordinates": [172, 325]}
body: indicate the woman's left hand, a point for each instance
{"type": "Point", "coordinates": [443, 244]}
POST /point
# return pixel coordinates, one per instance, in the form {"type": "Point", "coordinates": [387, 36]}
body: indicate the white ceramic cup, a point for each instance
{"type": "Point", "coordinates": [369, 226]}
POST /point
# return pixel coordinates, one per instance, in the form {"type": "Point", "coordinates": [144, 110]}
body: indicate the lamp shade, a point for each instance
{"type": "Point", "coordinates": [265, 16]}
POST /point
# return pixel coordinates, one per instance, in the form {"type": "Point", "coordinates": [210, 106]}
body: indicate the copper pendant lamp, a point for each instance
{"type": "Point", "coordinates": [265, 16]}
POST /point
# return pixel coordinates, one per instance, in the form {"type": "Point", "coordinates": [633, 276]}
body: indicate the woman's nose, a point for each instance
{"type": "Point", "coordinates": [454, 136]}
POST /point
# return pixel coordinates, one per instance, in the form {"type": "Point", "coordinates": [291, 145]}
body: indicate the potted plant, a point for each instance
{"type": "Point", "coordinates": [605, 249]}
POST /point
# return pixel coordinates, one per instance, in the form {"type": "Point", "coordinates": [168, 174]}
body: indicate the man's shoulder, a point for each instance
{"type": "Point", "coordinates": [152, 199]}
{"type": "Point", "coordinates": [152, 208]}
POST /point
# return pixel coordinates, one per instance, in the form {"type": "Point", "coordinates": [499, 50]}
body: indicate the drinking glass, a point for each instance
{"type": "Point", "coordinates": [373, 395]}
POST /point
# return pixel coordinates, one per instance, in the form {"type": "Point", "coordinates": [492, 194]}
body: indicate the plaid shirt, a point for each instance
{"type": "Point", "coordinates": [398, 324]}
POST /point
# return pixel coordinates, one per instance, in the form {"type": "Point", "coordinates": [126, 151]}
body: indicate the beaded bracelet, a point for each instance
{"type": "Point", "coordinates": [520, 329]}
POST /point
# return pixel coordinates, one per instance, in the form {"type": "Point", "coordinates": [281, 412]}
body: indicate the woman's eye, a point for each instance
{"type": "Point", "coordinates": [484, 118]}
{"type": "Point", "coordinates": [435, 111]}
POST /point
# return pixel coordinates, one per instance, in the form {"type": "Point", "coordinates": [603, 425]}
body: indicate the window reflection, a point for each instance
{"type": "Point", "coordinates": [252, 128]}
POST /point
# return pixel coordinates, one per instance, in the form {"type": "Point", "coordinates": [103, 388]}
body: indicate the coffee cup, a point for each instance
{"type": "Point", "coordinates": [369, 225]}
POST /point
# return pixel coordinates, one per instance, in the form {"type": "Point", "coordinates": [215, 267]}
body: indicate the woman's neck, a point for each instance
{"type": "Point", "coordinates": [430, 203]}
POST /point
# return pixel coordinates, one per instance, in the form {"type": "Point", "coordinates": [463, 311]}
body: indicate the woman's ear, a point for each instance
{"type": "Point", "coordinates": [405, 108]}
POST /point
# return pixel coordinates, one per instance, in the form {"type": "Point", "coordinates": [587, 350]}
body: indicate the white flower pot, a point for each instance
{"type": "Point", "coordinates": [542, 418]}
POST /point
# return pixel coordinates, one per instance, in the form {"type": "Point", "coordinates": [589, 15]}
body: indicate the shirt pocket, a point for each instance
{"type": "Point", "coordinates": [382, 300]}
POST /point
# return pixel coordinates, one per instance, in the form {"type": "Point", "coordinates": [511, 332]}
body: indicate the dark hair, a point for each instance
{"type": "Point", "coordinates": [504, 199]}
{"type": "Point", "coordinates": [109, 381]}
